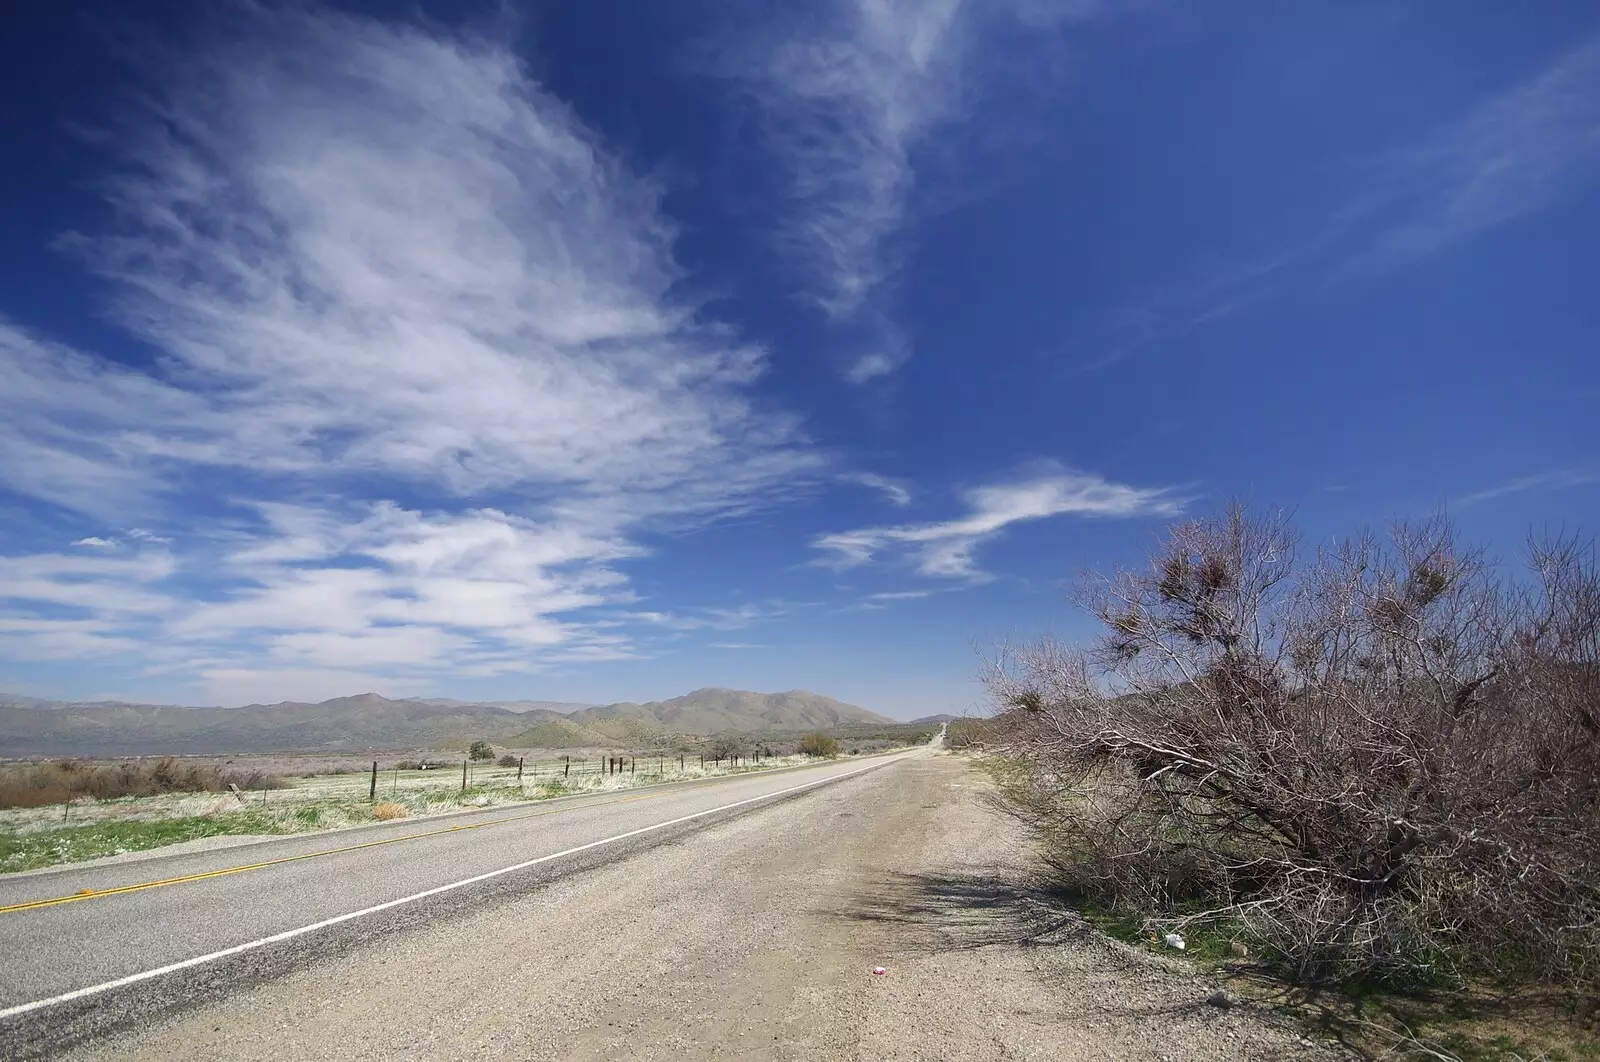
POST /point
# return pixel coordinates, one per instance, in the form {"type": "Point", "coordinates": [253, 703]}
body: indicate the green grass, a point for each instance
{"type": "Point", "coordinates": [68, 844]}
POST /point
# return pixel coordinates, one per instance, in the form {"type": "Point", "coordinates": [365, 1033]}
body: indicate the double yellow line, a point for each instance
{"type": "Point", "coordinates": [95, 894]}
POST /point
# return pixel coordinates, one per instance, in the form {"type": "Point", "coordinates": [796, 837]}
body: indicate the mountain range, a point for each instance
{"type": "Point", "coordinates": [33, 727]}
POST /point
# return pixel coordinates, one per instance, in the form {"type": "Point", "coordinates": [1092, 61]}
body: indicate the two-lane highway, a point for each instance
{"type": "Point", "coordinates": [89, 948]}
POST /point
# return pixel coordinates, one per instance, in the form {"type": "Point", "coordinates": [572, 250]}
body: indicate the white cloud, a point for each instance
{"type": "Point", "coordinates": [737, 645]}
{"type": "Point", "coordinates": [1561, 480]}
{"type": "Point", "coordinates": [945, 549]}
{"type": "Point", "coordinates": [1514, 155]}
{"type": "Point", "coordinates": [423, 373]}
{"type": "Point", "coordinates": [900, 595]}
{"type": "Point", "coordinates": [895, 490]}
{"type": "Point", "coordinates": [717, 619]}
{"type": "Point", "coordinates": [845, 100]}
{"type": "Point", "coordinates": [95, 542]}
{"type": "Point", "coordinates": [849, 97]}
{"type": "Point", "coordinates": [1517, 154]}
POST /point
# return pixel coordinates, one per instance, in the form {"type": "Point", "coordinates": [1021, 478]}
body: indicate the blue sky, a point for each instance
{"type": "Point", "coordinates": [598, 351]}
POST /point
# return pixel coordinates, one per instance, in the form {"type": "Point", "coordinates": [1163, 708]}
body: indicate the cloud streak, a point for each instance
{"type": "Point", "coordinates": [1561, 480]}
{"type": "Point", "coordinates": [845, 99]}
{"type": "Point", "coordinates": [945, 549]}
{"type": "Point", "coordinates": [894, 490]}
{"type": "Point", "coordinates": [1513, 156]}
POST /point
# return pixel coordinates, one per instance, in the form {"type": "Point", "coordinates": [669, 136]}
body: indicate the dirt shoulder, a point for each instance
{"type": "Point", "coordinates": [755, 940]}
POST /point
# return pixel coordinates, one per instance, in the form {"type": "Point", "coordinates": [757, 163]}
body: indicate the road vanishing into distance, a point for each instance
{"type": "Point", "coordinates": [89, 949]}
{"type": "Point", "coordinates": [873, 910]}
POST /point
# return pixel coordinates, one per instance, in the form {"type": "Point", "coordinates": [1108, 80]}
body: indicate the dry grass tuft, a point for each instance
{"type": "Point", "coordinates": [389, 810]}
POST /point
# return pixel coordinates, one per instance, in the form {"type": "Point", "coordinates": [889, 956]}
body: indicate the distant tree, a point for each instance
{"type": "Point", "coordinates": [507, 760]}
{"type": "Point", "coordinates": [481, 750]}
{"type": "Point", "coordinates": [819, 744]}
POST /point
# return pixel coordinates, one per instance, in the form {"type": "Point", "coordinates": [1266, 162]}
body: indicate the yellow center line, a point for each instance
{"type": "Point", "coordinates": [92, 894]}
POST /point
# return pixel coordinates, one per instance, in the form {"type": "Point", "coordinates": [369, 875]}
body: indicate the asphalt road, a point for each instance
{"type": "Point", "coordinates": [91, 950]}
{"type": "Point", "coordinates": [758, 939]}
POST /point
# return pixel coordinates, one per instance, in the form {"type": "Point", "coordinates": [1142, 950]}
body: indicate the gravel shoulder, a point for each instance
{"type": "Point", "coordinates": [753, 939]}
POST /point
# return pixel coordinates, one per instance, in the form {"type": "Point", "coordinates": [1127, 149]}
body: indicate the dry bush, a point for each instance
{"type": "Point", "coordinates": [387, 810]}
{"type": "Point", "coordinates": [820, 744]}
{"type": "Point", "coordinates": [966, 733]}
{"type": "Point", "coordinates": [1383, 760]}
{"type": "Point", "coordinates": [38, 785]}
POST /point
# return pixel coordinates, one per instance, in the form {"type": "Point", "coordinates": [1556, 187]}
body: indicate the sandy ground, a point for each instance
{"type": "Point", "coordinates": [754, 939]}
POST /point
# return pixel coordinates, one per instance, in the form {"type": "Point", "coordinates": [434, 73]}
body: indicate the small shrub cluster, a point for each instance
{"type": "Point", "coordinates": [964, 733]}
{"type": "Point", "coordinates": [507, 760]}
{"type": "Point", "coordinates": [1380, 762]}
{"type": "Point", "coordinates": [820, 744]}
{"type": "Point", "coordinates": [42, 784]}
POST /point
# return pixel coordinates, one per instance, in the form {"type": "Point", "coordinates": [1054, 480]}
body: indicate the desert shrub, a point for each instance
{"type": "Point", "coordinates": [507, 760]}
{"type": "Point", "coordinates": [53, 783]}
{"type": "Point", "coordinates": [480, 750]}
{"type": "Point", "coordinates": [409, 765]}
{"type": "Point", "coordinates": [1382, 760]}
{"type": "Point", "coordinates": [964, 733]}
{"type": "Point", "coordinates": [387, 810]}
{"type": "Point", "coordinates": [820, 744]}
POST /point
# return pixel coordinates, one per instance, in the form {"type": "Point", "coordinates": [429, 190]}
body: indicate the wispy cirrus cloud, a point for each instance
{"type": "Point", "coordinates": [945, 549]}
{"type": "Point", "coordinates": [1514, 155]}
{"type": "Point", "coordinates": [894, 490]}
{"type": "Point", "coordinates": [423, 374]}
{"type": "Point", "coordinates": [846, 97]}
{"type": "Point", "coordinates": [1557, 480]}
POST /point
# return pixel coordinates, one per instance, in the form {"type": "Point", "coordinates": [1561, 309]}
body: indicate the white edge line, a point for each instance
{"type": "Point", "coordinates": [289, 934]}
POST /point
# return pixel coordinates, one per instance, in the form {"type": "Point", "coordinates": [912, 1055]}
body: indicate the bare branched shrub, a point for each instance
{"type": "Point", "coordinates": [1382, 759]}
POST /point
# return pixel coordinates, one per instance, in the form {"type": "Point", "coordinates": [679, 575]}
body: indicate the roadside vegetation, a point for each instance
{"type": "Point", "coordinates": [70, 810]}
{"type": "Point", "coordinates": [1372, 768]}
{"type": "Point", "coordinates": [42, 848]}
{"type": "Point", "coordinates": [820, 745]}
{"type": "Point", "coordinates": [37, 785]}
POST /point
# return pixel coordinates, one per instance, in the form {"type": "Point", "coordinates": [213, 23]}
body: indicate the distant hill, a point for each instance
{"type": "Point", "coordinates": [712, 710]}
{"type": "Point", "coordinates": [33, 727]}
{"type": "Point", "coordinates": [943, 717]}
{"type": "Point", "coordinates": [344, 723]}
{"type": "Point", "coordinates": [559, 707]}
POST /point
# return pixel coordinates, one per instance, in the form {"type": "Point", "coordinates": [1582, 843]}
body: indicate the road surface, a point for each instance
{"type": "Point", "coordinates": [749, 931]}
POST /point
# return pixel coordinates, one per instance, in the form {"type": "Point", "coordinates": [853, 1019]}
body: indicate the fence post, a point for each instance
{"type": "Point", "coordinates": [633, 765]}
{"type": "Point", "coordinates": [372, 790]}
{"type": "Point", "coordinates": [463, 776]}
{"type": "Point", "coordinates": [519, 770]}
{"type": "Point", "coordinates": [566, 764]}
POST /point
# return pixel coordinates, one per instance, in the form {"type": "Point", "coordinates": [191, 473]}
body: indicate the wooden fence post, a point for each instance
{"type": "Point", "coordinates": [463, 776]}
{"type": "Point", "coordinates": [372, 790]}
{"type": "Point", "coordinates": [566, 764]}
{"type": "Point", "coordinates": [519, 770]}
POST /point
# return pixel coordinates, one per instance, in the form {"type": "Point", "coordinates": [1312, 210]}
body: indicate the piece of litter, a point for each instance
{"type": "Point", "coordinates": [1175, 941]}
{"type": "Point", "coordinates": [879, 970]}
{"type": "Point", "coordinates": [1239, 949]}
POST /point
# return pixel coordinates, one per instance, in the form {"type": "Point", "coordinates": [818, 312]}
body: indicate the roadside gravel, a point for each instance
{"type": "Point", "coordinates": [754, 939]}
